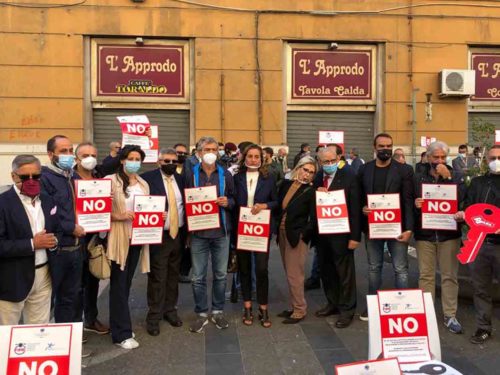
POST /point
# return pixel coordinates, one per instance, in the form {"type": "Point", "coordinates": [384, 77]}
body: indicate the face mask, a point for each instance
{"type": "Point", "coordinates": [253, 166]}
{"type": "Point", "coordinates": [221, 153]}
{"type": "Point", "coordinates": [280, 158]}
{"type": "Point", "coordinates": [303, 182]}
{"type": "Point", "coordinates": [132, 166]}
{"type": "Point", "coordinates": [169, 169]}
{"type": "Point", "coordinates": [209, 158]}
{"type": "Point", "coordinates": [30, 188]}
{"type": "Point", "coordinates": [89, 163]}
{"type": "Point", "coordinates": [494, 166]}
{"type": "Point", "coordinates": [384, 154]}
{"type": "Point", "coordinates": [181, 158]}
{"type": "Point", "coordinates": [330, 169]}
{"type": "Point", "coordinates": [65, 162]}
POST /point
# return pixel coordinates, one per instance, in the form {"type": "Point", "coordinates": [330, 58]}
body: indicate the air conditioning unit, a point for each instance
{"type": "Point", "coordinates": [455, 82]}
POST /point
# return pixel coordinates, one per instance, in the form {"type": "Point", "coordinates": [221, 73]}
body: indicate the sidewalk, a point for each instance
{"type": "Point", "coordinates": [312, 347]}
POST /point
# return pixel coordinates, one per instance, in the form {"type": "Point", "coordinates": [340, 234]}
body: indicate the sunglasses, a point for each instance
{"type": "Point", "coordinates": [180, 153]}
{"type": "Point", "coordinates": [26, 177]}
{"type": "Point", "coordinates": [170, 161]}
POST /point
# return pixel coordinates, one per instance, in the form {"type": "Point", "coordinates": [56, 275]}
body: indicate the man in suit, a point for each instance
{"type": "Point", "coordinates": [28, 228]}
{"type": "Point", "coordinates": [165, 259]}
{"type": "Point", "coordinates": [356, 161]}
{"type": "Point", "coordinates": [336, 251]}
{"type": "Point", "coordinates": [386, 176]}
{"type": "Point", "coordinates": [462, 163]}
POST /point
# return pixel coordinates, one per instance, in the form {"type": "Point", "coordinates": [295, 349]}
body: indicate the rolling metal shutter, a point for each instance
{"type": "Point", "coordinates": [491, 117]}
{"type": "Point", "coordinates": [358, 127]}
{"type": "Point", "coordinates": [173, 127]}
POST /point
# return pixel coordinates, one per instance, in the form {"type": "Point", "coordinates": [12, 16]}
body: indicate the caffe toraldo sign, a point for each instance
{"type": "Point", "coordinates": [322, 76]}
{"type": "Point", "coordinates": [487, 67]}
{"type": "Point", "coordinates": [151, 72]}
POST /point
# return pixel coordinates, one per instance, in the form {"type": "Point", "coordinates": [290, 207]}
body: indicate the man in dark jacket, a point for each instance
{"type": "Point", "coordinates": [163, 278]}
{"type": "Point", "coordinates": [305, 150]}
{"type": "Point", "coordinates": [485, 189]}
{"type": "Point", "coordinates": [28, 229]}
{"type": "Point", "coordinates": [439, 246]}
{"type": "Point", "coordinates": [336, 251]}
{"type": "Point", "coordinates": [386, 176]}
{"type": "Point", "coordinates": [66, 262]}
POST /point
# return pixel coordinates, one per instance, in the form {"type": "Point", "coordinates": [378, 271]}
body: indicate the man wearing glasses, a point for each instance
{"type": "Point", "coordinates": [29, 226]}
{"type": "Point", "coordinates": [485, 189]}
{"type": "Point", "coordinates": [165, 258]}
{"type": "Point", "coordinates": [182, 154]}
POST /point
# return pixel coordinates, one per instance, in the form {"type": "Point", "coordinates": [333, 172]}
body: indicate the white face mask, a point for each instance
{"type": "Point", "coordinates": [494, 166]}
{"type": "Point", "coordinates": [89, 163]}
{"type": "Point", "coordinates": [209, 158]}
{"type": "Point", "coordinates": [253, 166]}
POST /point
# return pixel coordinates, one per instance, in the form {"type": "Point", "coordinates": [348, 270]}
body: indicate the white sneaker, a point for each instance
{"type": "Point", "coordinates": [128, 344]}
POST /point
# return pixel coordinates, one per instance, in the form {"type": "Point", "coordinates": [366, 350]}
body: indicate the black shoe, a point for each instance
{"type": "Point", "coordinates": [327, 311]}
{"type": "Point", "coordinates": [291, 320]}
{"type": "Point", "coordinates": [480, 336]}
{"type": "Point", "coordinates": [312, 284]}
{"type": "Point", "coordinates": [153, 330]}
{"type": "Point", "coordinates": [285, 314]}
{"type": "Point", "coordinates": [173, 319]}
{"type": "Point", "coordinates": [364, 316]}
{"type": "Point", "coordinates": [343, 322]}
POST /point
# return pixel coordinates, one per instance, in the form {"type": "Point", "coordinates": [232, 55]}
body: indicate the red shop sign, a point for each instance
{"type": "Point", "coordinates": [487, 67]}
{"type": "Point", "coordinates": [342, 75]}
{"type": "Point", "coordinates": [153, 71]}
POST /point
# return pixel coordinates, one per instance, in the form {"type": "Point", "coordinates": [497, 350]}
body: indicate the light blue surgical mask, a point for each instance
{"type": "Point", "coordinates": [330, 169]}
{"type": "Point", "coordinates": [132, 166]}
{"type": "Point", "coordinates": [65, 162]}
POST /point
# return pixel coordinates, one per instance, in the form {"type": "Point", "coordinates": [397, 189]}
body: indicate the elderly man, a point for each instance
{"type": "Point", "coordinates": [163, 278]}
{"type": "Point", "coordinates": [213, 242]}
{"type": "Point", "coordinates": [66, 262]}
{"type": "Point", "coordinates": [29, 226]}
{"type": "Point", "coordinates": [336, 251]}
{"type": "Point", "coordinates": [439, 246]}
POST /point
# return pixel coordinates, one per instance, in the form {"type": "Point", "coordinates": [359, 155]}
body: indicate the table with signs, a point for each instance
{"type": "Point", "coordinates": [439, 206]}
{"type": "Point", "coordinates": [147, 226]}
{"type": "Point", "coordinates": [331, 212]}
{"type": "Point", "coordinates": [384, 219]}
{"type": "Point", "coordinates": [202, 211]}
{"type": "Point", "coordinates": [134, 130]}
{"type": "Point", "coordinates": [253, 230]}
{"type": "Point", "coordinates": [41, 349]}
{"type": "Point", "coordinates": [93, 204]}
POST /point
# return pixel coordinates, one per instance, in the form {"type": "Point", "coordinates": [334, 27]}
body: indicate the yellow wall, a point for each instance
{"type": "Point", "coordinates": [42, 60]}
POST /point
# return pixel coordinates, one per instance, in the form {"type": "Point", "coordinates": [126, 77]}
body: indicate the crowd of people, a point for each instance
{"type": "Point", "coordinates": [44, 264]}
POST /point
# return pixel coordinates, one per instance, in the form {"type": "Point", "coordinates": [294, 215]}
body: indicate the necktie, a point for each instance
{"type": "Point", "coordinates": [325, 182]}
{"type": "Point", "coordinates": [172, 209]}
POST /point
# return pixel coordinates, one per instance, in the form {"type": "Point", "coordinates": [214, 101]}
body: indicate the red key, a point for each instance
{"type": "Point", "coordinates": [482, 219]}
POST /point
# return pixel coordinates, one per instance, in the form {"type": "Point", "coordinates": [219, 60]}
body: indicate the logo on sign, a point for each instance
{"type": "Point", "coordinates": [386, 308]}
{"type": "Point", "coordinates": [20, 349]}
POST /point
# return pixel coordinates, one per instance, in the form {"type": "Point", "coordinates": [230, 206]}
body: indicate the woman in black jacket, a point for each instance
{"type": "Point", "coordinates": [296, 199]}
{"type": "Point", "coordinates": [255, 188]}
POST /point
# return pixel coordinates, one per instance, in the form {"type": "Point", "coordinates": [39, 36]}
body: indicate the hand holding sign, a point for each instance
{"type": "Point", "coordinates": [482, 219]}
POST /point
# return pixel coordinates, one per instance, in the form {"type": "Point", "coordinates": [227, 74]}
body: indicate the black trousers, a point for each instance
{"type": "Point", "coordinates": [338, 274]}
{"type": "Point", "coordinates": [163, 278]}
{"type": "Point", "coordinates": [185, 262]}
{"type": "Point", "coordinates": [87, 303]}
{"type": "Point", "coordinates": [483, 269]}
{"type": "Point", "coordinates": [120, 283]}
{"type": "Point", "coordinates": [261, 275]}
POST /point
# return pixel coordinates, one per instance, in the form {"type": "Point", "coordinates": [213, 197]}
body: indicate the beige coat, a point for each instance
{"type": "Point", "coordinates": [119, 240]}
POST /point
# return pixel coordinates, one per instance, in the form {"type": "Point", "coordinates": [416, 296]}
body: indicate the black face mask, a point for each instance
{"type": "Point", "coordinates": [384, 154]}
{"type": "Point", "coordinates": [181, 158]}
{"type": "Point", "coordinates": [169, 169]}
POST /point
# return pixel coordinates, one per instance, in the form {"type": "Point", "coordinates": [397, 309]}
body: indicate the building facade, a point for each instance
{"type": "Point", "coordinates": [269, 71]}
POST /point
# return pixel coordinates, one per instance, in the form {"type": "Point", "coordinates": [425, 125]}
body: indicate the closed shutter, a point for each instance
{"type": "Point", "coordinates": [358, 127]}
{"type": "Point", "coordinates": [173, 127]}
{"type": "Point", "coordinates": [491, 117]}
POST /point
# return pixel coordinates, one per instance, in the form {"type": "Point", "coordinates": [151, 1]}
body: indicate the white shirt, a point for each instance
{"type": "Point", "coordinates": [132, 191]}
{"type": "Point", "coordinates": [178, 199]}
{"type": "Point", "coordinates": [37, 222]}
{"type": "Point", "coordinates": [252, 178]}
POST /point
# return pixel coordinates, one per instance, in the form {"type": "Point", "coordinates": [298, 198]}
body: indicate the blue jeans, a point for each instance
{"type": "Point", "coordinates": [218, 249]}
{"type": "Point", "coordinates": [399, 256]}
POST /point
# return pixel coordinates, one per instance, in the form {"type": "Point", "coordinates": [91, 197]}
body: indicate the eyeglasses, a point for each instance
{"type": "Point", "coordinates": [26, 177]}
{"type": "Point", "coordinates": [180, 153]}
{"type": "Point", "coordinates": [307, 170]}
{"type": "Point", "coordinates": [169, 161]}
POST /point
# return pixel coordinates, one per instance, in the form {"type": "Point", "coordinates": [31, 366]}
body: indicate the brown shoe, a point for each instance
{"type": "Point", "coordinates": [97, 327]}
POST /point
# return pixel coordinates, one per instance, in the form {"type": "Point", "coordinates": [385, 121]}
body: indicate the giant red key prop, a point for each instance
{"type": "Point", "coordinates": [482, 219]}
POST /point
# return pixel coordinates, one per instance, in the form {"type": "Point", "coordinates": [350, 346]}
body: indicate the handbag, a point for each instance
{"type": "Point", "coordinates": [99, 264]}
